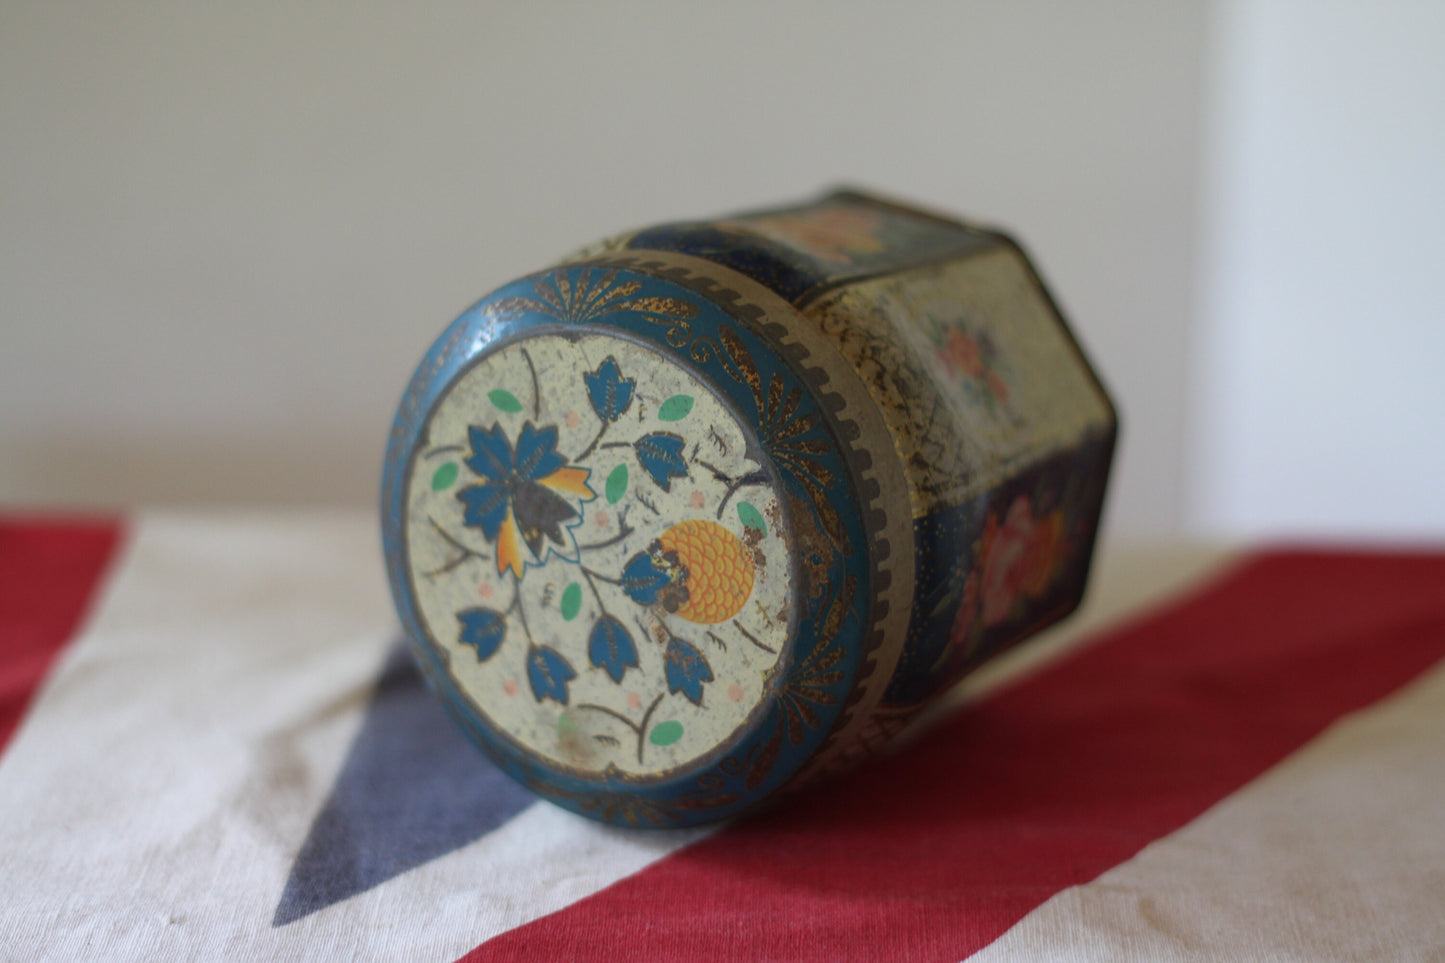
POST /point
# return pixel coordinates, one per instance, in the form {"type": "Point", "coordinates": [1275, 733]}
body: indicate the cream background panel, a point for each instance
{"type": "Point", "coordinates": [954, 434]}
{"type": "Point", "coordinates": [587, 739]}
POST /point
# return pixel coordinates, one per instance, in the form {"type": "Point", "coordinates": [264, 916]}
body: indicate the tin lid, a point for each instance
{"type": "Point", "coordinates": [612, 513]}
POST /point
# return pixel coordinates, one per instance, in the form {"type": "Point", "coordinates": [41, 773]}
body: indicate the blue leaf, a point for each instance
{"type": "Point", "coordinates": [642, 580]}
{"type": "Point", "coordinates": [537, 455]}
{"type": "Point", "coordinates": [486, 505]}
{"type": "Point", "coordinates": [491, 453]}
{"type": "Point", "coordinates": [610, 647]}
{"type": "Point", "coordinates": [483, 628]}
{"type": "Point", "coordinates": [609, 392]}
{"type": "Point", "coordinates": [661, 454]}
{"type": "Point", "coordinates": [686, 670]}
{"type": "Point", "coordinates": [548, 673]}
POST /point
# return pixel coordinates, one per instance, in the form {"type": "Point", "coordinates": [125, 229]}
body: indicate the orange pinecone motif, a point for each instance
{"type": "Point", "coordinates": [719, 569]}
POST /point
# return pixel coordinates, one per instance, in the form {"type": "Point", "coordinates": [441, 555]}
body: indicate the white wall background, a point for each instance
{"type": "Point", "coordinates": [1321, 363]}
{"type": "Point", "coordinates": [227, 231]}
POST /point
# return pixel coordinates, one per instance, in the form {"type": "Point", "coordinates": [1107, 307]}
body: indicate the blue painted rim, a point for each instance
{"type": "Point", "coordinates": [815, 674]}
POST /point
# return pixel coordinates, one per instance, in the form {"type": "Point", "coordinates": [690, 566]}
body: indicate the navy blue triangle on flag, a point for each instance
{"type": "Point", "coordinates": [412, 789]}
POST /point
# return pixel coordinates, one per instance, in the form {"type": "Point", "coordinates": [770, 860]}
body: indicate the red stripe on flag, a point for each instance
{"type": "Point", "coordinates": [933, 853]}
{"type": "Point", "coordinates": [49, 570]}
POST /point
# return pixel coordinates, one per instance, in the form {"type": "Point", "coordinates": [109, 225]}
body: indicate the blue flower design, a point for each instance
{"type": "Point", "coordinates": [484, 629]}
{"type": "Point", "coordinates": [686, 670]}
{"type": "Point", "coordinates": [609, 392]}
{"type": "Point", "coordinates": [642, 580]}
{"type": "Point", "coordinates": [661, 454]}
{"type": "Point", "coordinates": [520, 506]}
{"type": "Point", "coordinates": [548, 673]}
{"type": "Point", "coordinates": [655, 577]}
{"type": "Point", "coordinates": [610, 647]}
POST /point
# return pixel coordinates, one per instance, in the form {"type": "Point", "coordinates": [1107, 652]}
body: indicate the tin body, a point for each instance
{"type": "Point", "coordinates": [715, 508]}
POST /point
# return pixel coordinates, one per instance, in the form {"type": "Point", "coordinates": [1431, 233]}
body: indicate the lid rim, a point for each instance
{"type": "Point", "coordinates": [733, 776]}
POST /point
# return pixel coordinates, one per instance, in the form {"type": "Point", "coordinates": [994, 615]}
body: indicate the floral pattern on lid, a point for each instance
{"type": "Point", "coordinates": [597, 563]}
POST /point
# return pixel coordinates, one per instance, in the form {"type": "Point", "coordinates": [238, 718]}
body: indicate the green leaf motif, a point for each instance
{"type": "Point", "coordinates": [666, 733]}
{"type": "Point", "coordinates": [617, 484]}
{"type": "Point", "coordinates": [504, 400]}
{"type": "Point", "coordinates": [571, 601]}
{"type": "Point", "coordinates": [675, 408]}
{"type": "Point", "coordinates": [751, 517]}
{"type": "Point", "coordinates": [443, 477]}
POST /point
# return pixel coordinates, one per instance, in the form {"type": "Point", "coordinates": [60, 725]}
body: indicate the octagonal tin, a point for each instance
{"type": "Point", "coordinates": [713, 509]}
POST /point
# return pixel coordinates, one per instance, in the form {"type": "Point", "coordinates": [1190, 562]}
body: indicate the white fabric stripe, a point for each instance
{"type": "Point", "coordinates": [1338, 853]}
{"type": "Point", "coordinates": [153, 804]}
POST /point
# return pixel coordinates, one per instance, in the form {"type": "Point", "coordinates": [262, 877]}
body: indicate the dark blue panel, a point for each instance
{"type": "Point", "coordinates": [412, 789]}
{"type": "Point", "coordinates": [993, 571]}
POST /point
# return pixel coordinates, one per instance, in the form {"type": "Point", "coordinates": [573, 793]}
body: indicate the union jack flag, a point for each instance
{"type": "Point", "coordinates": [214, 747]}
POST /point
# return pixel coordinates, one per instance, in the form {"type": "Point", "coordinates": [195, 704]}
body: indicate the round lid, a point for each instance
{"type": "Point", "coordinates": [601, 516]}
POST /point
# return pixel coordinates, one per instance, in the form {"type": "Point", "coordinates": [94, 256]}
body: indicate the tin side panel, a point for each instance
{"type": "Point", "coordinates": [1006, 437]}
{"type": "Point", "coordinates": [975, 373]}
{"type": "Point", "coordinates": [802, 251]}
{"type": "Point", "coordinates": [998, 568]}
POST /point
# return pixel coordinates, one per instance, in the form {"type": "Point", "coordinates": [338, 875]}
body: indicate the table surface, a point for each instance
{"type": "Point", "coordinates": [214, 746]}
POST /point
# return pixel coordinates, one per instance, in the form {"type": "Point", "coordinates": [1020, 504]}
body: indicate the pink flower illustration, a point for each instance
{"type": "Point", "coordinates": [1020, 558]}
{"type": "Point", "coordinates": [960, 354]}
{"type": "Point", "coordinates": [997, 386]}
{"type": "Point", "coordinates": [967, 614]}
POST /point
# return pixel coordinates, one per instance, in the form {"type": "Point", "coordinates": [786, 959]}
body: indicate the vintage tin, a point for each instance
{"type": "Point", "coordinates": [714, 508]}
